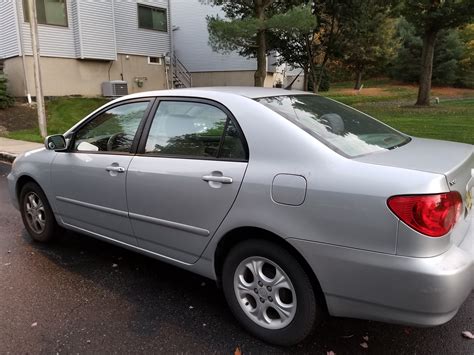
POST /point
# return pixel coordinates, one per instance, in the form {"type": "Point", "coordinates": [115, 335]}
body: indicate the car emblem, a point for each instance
{"type": "Point", "coordinates": [452, 183]}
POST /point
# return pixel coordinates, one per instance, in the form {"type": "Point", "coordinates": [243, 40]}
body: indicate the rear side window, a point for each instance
{"type": "Point", "coordinates": [193, 129]}
{"type": "Point", "coordinates": [342, 128]}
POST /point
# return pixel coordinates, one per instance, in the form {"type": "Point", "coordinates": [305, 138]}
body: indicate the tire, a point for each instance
{"type": "Point", "coordinates": [272, 326]}
{"type": "Point", "coordinates": [37, 215]}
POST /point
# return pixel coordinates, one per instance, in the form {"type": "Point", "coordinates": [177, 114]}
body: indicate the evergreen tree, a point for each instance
{"type": "Point", "coordinates": [5, 99]}
{"type": "Point", "coordinates": [446, 57]}
{"type": "Point", "coordinates": [429, 18]}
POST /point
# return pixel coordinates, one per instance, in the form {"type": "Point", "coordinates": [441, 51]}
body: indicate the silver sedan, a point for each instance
{"type": "Point", "coordinates": [295, 204]}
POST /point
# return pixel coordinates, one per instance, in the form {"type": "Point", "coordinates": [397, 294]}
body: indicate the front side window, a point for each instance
{"type": "Point", "coordinates": [152, 18]}
{"type": "Point", "coordinates": [113, 130]}
{"type": "Point", "coordinates": [49, 12]}
{"type": "Point", "coordinates": [193, 129]}
{"type": "Point", "coordinates": [342, 128]}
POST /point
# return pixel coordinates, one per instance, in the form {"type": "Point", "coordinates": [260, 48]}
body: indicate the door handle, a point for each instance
{"type": "Point", "coordinates": [116, 169]}
{"type": "Point", "coordinates": [221, 179]}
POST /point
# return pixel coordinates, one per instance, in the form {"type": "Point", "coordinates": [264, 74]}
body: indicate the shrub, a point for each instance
{"type": "Point", "coordinates": [5, 99]}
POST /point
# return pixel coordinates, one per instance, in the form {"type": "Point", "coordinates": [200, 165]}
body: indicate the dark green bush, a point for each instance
{"type": "Point", "coordinates": [5, 99]}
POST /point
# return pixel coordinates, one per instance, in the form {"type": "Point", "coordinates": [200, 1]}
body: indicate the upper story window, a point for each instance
{"type": "Point", "coordinates": [49, 12]}
{"type": "Point", "coordinates": [152, 18]}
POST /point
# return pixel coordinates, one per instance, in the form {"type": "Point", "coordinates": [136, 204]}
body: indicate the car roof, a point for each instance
{"type": "Point", "coordinates": [245, 91]}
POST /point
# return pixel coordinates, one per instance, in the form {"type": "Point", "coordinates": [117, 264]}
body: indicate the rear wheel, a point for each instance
{"type": "Point", "coordinates": [36, 213]}
{"type": "Point", "coordinates": [269, 292]}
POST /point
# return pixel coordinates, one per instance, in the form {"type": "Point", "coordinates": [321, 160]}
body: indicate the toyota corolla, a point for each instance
{"type": "Point", "coordinates": [295, 204]}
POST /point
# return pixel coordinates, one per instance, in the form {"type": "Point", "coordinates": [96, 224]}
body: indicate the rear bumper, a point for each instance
{"type": "Point", "coordinates": [391, 288]}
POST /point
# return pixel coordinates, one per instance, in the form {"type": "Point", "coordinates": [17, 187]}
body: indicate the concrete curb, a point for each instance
{"type": "Point", "coordinates": [7, 157]}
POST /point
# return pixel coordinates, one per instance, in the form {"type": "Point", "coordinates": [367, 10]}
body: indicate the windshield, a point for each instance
{"type": "Point", "coordinates": [342, 128]}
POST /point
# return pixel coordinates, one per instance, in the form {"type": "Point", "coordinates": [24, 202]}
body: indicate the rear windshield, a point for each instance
{"type": "Point", "coordinates": [342, 128]}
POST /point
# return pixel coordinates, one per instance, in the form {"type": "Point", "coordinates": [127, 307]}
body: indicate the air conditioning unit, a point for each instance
{"type": "Point", "coordinates": [114, 88]}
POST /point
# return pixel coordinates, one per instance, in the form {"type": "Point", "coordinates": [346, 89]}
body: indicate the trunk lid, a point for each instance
{"type": "Point", "coordinates": [453, 160]}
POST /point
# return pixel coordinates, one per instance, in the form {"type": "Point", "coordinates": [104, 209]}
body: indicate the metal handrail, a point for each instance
{"type": "Point", "coordinates": [181, 73]}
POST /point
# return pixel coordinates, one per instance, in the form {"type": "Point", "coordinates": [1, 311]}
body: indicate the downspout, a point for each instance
{"type": "Point", "coordinates": [170, 31]}
{"type": "Point", "coordinates": [22, 53]}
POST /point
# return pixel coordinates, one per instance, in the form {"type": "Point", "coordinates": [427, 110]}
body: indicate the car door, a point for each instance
{"type": "Point", "coordinates": [185, 178]}
{"type": "Point", "coordinates": [89, 179]}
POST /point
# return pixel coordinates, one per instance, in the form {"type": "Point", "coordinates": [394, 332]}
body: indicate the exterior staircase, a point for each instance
{"type": "Point", "coordinates": [182, 78]}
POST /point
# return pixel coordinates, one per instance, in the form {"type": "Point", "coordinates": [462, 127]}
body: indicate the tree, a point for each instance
{"type": "Point", "coordinates": [5, 99]}
{"type": "Point", "coordinates": [446, 57]}
{"type": "Point", "coordinates": [291, 36]}
{"type": "Point", "coordinates": [430, 17]}
{"type": "Point", "coordinates": [466, 63]}
{"type": "Point", "coordinates": [368, 37]}
{"type": "Point", "coordinates": [245, 29]}
{"type": "Point", "coordinates": [330, 16]}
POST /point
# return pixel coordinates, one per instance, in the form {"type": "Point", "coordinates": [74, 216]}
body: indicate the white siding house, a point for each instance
{"type": "Point", "coordinates": [84, 43]}
{"type": "Point", "coordinates": [191, 44]}
{"type": "Point", "coordinates": [96, 41]}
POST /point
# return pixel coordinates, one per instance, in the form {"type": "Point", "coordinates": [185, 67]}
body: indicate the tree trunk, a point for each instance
{"type": "Point", "coordinates": [319, 76]}
{"type": "Point", "coordinates": [305, 78]}
{"type": "Point", "coordinates": [358, 82]}
{"type": "Point", "coordinates": [261, 73]}
{"type": "Point", "coordinates": [429, 40]}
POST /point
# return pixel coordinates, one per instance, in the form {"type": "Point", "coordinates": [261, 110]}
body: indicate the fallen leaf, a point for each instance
{"type": "Point", "coordinates": [364, 345]}
{"type": "Point", "coordinates": [467, 334]}
{"type": "Point", "coordinates": [191, 307]}
{"type": "Point", "coordinates": [34, 324]}
{"type": "Point", "coordinates": [204, 324]}
{"type": "Point", "coordinates": [88, 341]}
{"type": "Point", "coordinates": [330, 353]}
{"type": "Point", "coordinates": [7, 264]}
{"type": "Point", "coordinates": [114, 265]}
{"type": "Point", "coordinates": [366, 338]}
{"type": "Point", "coordinates": [238, 351]}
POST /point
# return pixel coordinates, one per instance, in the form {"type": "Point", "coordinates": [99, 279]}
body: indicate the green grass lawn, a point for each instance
{"type": "Point", "coordinates": [62, 114]}
{"type": "Point", "coordinates": [392, 103]}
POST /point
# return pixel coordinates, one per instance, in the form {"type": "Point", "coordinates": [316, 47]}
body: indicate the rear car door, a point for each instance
{"type": "Point", "coordinates": [89, 179]}
{"type": "Point", "coordinates": [191, 163]}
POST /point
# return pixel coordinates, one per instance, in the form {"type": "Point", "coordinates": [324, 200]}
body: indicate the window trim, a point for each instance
{"type": "Point", "coordinates": [26, 19]}
{"type": "Point", "coordinates": [160, 60]}
{"type": "Point", "coordinates": [152, 8]}
{"type": "Point", "coordinates": [230, 117]}
{"type": "Point", "coordinates": [133, 149]}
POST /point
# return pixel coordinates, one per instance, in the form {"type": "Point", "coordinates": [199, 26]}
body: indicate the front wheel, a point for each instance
{"type": "Point", "coordinates": [269, 292]}
{"type": "Point", "coordinates": [36, 213]}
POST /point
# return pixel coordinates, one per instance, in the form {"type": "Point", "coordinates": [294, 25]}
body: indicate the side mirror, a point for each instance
{"type": "Point", "coordinates": [56, 142]}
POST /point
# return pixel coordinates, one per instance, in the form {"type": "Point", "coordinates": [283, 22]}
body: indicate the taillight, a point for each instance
{"type": "Point", "coordinates": [432, 215]}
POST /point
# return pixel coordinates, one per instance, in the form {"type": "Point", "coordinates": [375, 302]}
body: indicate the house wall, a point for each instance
{"type": "Point", "coordinates": [138, 41]}
{"type": "Point", "coordinates": [192, 37]}
{"type": "Point", "coordinates": [228, 78]}
{"type": "Point", "coordinates": [9, 40]}
{"type": "Point", "coordinates": [97, 30]}
{"type": "Point", "coordinates": [64, 76]}
{"type": "Point", "coordinates": [56, 41]}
